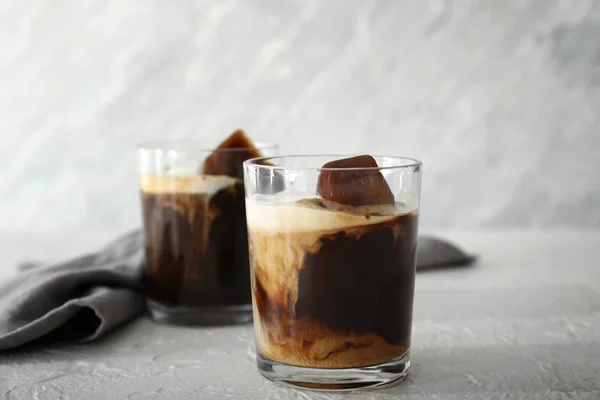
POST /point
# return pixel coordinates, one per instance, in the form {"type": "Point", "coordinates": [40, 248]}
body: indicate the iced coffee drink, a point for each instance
{"type": "Point", "coordinates": [194, 219]}
{"type": "Point", "coordinates": [333, 272]}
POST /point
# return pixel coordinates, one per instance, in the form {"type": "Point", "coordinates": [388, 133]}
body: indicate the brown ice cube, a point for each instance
{"type": "Point", "coordinates": [354, 187]}
{"type": "Point", "coordinates": [229, 162]}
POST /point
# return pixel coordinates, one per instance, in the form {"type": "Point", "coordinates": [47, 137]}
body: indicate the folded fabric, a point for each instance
{"type": "Point", "coordinates": [434, 253]}
{"type": "Point", "coordinates": [83, 298]}
{"type": "Point", "coordinates": [80, 299]}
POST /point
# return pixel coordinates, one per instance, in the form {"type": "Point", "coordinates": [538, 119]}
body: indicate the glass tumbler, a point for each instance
{"type": "Point", "coordinates": [332, 259]}
{"type": "Point", "coordinates": [196, 246]}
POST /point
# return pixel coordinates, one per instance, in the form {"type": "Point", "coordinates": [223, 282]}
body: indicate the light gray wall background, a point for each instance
{"type": "Point", "coordinates": [500, 99]}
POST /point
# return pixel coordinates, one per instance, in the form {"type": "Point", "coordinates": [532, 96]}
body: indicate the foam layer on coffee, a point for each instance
{"type": "Point", "coordinates": [207, 184]}
{"type": "Point", "coordinates": [317, 215]}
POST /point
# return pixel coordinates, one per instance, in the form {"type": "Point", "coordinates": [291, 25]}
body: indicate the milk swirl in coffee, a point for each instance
{"type": "Point", "coordinates": [333, 276]}
{"type": "Point", "coordinates": [195, 230]}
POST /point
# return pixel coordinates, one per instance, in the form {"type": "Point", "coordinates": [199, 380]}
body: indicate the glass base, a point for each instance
{"type": "Point", "coordinates": [346, 379]}
{"type": "Point", "coordinates": [225, 315]}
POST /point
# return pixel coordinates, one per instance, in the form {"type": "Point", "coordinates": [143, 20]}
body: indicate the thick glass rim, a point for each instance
{"type": "Point", "coordinates": [260, 162]}
{"type": "Point", "coordinates": [197, 145]}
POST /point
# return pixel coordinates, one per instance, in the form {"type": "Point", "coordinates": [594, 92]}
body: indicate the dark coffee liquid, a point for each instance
{"type": "Point", "coordinates": [197, 248]}
{"type": "Point", "coordinates": [357, 281]}
{"type": "Point", "coordinates": [363, 284]}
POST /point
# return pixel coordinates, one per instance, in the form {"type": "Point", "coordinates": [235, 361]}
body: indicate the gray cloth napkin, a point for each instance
{"type": "Point", "coordinates": [83, 298]}
{"type": "Point", "coordinates": [435, 253]}
{"type": "Point", "coordinates": [80, 299]}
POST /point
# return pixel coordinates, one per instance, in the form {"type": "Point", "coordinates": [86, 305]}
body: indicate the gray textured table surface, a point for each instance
{"type": "Point", "coordinates": [523, 323]}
